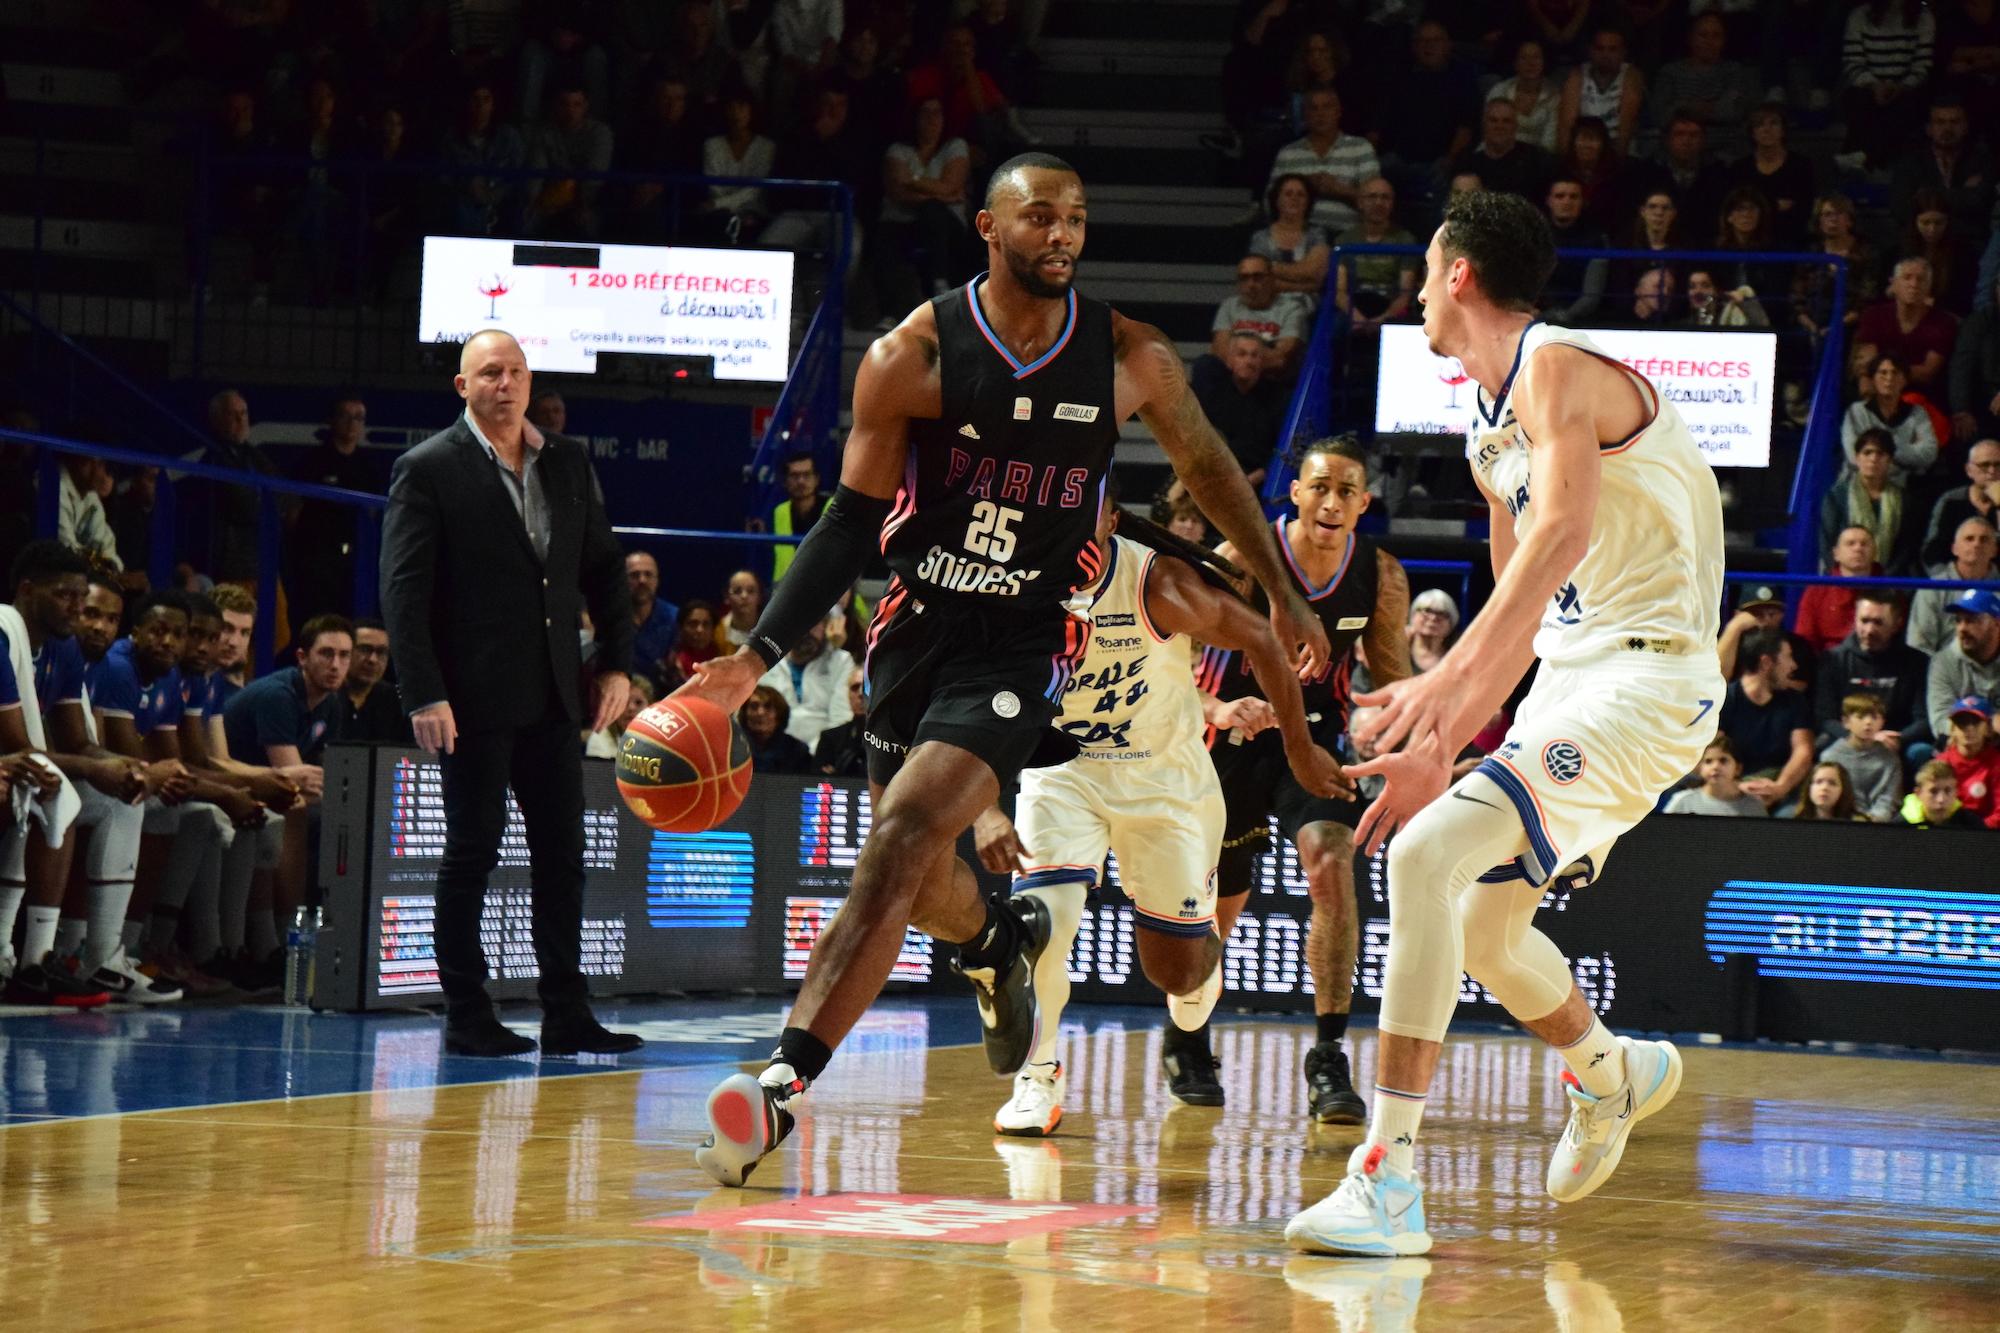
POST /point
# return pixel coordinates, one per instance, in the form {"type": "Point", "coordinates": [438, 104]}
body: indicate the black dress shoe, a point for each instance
{"type": "Point", "coordinates": [580, 1033]}
{"type": "Point", "coordinates": [484, 1036]}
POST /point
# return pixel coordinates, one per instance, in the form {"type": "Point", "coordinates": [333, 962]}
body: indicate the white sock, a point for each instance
{"type": "Point", "coordinates": [1597, 1060]}
{"type": "Point", "coordinates": [261, 935]}
{"type": "Point", "coordinates": [69, 935]}
{"type": "Point", "coordinates": [10, 907]}
{"type": "Point", "coordinates": [1394, 1124]}
{"type": "Point", "coordinates": [107, 922]}
{"type": "Point", "coordinates": [39, 935]}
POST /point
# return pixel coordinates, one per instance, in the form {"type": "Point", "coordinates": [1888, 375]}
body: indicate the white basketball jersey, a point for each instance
{"type": "Point", "coordinates": [1134, 695]}
{"type": "Point", "coordinates": [1651, 581]}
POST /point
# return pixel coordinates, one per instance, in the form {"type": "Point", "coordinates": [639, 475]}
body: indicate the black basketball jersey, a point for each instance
{"type": "Point", "coordinates": [1000, 496]}
{"type": "Point", "coordinates": [1344, 606]}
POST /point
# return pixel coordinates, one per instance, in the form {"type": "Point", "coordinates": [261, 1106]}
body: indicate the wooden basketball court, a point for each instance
{"type": "Point", "coordinates": [1783, 1190]}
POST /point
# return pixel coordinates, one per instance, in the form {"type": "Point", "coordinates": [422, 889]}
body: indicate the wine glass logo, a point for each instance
{"type": "Point", "coordinates": [1452, 373]}
{"type": "Point", "coordinates": [493, 288]}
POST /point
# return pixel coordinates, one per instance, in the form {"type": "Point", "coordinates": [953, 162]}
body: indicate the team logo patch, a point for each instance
{"type": "Point", "coordinates": [1076, 412]}
{"type": "Point", "coordinates": [1008, 704]}
{"type": "Point", "coordinates": [1023, 408]}
{"type": "Point", "coordinates": [1564, 761]}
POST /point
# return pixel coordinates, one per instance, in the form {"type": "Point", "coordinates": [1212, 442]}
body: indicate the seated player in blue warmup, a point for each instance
{"type": "Point", "coordinates": [135, 691]}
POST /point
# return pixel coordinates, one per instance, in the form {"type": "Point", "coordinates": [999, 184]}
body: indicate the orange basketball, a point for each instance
{"type": "Point", "coordinates": [684, 765]}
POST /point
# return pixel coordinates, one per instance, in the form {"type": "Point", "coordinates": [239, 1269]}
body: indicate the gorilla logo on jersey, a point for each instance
{"type": "Point", "coordinates": [1564, 761]}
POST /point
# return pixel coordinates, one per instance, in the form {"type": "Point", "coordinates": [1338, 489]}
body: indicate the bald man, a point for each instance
{"type": "Point", "coordinates": [494, 543]}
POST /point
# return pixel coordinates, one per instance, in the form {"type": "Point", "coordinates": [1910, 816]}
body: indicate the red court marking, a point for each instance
{"type": "Point", "coordinates": [900, 1217]}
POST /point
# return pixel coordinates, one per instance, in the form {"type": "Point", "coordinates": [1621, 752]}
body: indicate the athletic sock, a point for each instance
{"type": "Point", "coordinates": [70, 931]}
{"type": "Point", "coordinates": [806, 1054]}
{"type": "Point", "coordinates": [38, 937]}
{"type": "Point", "coordinates": [107, 923]}
{"type": "Point", "coordinates": [131, 936]}
{"type": "Point", "coordinates": [1394, 1125]}
{"type": "Point", "coordinates": [996, 941]}
{"type": "Point", "coordinates": [1177, 1041]}
{"type": "Point", "coordinates": [261, 935]}
{"type": "Point", "coordinates": [1597, 1060]}
{"type": "Point", "coordinates": [1332, 1028]}
{"type": "Point", "coordinates": [10, 907]}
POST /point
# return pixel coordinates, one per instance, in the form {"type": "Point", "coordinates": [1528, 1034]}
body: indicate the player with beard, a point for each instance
{"type": "Point", "coordinates": [983, 425]}
{"type": "Point", "coordinates": [1361, 596]}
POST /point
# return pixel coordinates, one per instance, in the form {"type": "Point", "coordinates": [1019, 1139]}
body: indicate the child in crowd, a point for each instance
{"type": "Point", "coordinates": [1829, 795]}
{"type": "Point", "coordinates": [1975, 758]}
{"type": "Point", "coordinates": [1875, 769]}
{"type": "Point", "coordinates": [1718, 793]}
{"type": "Point", "coordinates": [1934, 803]}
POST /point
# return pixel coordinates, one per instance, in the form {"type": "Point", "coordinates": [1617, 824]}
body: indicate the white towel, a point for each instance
{"type": "Point", "coordinates": [54, 812]}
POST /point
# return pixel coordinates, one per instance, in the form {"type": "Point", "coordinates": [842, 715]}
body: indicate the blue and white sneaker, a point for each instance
{"type": "Point", "coordinates": [1377, 1211]}
{"type": "Point", "coordinates": [1594, 1139]}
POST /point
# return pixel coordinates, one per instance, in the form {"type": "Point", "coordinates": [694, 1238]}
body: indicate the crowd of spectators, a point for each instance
{"type": "Point", "coordinates": [349, 128]}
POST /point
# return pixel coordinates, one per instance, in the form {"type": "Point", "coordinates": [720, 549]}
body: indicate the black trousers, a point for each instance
{"type": "Point", "coordinates": [543, 763]}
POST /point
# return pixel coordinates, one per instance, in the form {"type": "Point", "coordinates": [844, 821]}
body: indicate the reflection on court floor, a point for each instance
{"type": "Point", "coordinates": [388, 1183]}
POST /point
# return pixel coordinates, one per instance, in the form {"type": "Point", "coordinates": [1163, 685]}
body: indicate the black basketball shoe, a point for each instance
{"type": "Point", "coordinates": [1006, 993]}
{"type": "Point", "coordinates": [1190, 1068]}
{"type": "Point", "coordinates": [1330, 1095]}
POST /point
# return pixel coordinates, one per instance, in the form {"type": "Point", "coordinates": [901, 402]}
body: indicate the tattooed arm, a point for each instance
{"type": "Point", "coordinates": [1386, 640]}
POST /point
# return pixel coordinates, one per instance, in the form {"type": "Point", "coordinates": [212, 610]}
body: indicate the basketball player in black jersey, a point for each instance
{"type": "Point", "coordinates": [1361, 595]}
{"type": "Point", "coordinates": [983, 425]}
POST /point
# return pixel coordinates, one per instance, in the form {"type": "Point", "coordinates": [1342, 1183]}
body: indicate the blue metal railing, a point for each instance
{"type": "Point", "coordinates": [1309, 413]}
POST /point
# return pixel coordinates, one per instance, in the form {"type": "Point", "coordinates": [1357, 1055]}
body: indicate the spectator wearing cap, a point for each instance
{"type": "Point", "coordinates": [1933, 801]}
{"type": "Point", "coordinates": [812, 680]}
{"type": "Point", "coordinates": [1874, 770]}
{"type": "Point", "coordinates": [1972, 557]}
{"type": "Point", "coordinates": [1770, 725]}
{"type": "Point", "coordinates": [1870, 497]}
{"type": "Point", "coordinates": [1761, 607]}
{"type": "Point", "coordinates": [1974, 758]}
{"type": "Point", "coordinates": [1826, 610]}
{"type": "Point", "coordinates": [1970, 663]}
{"type": "Point", "coordinates": [1978, 497]}
{"type": "Point", "coordinates": [1874, 660]}
{"type": "Point", "coordinates": [1433, 620]}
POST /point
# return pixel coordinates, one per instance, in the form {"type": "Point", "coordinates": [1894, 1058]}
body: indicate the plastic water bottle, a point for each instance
{"type": "Point", "coordinates": [300, 942]}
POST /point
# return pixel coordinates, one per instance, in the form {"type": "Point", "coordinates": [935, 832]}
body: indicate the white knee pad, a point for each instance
{"type": "Point", "coordinates": [1445, 848]}
{"type": "Point", "coordinates": [112, 855]}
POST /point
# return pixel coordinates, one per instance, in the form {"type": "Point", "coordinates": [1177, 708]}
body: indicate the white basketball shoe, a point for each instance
{"type": "Point", "coordinates": [1035, 1109]}
{"type": "Point", "coordinates": [1594, 1139]}
{"type": "Point", "coordinates": [1377, 1211]}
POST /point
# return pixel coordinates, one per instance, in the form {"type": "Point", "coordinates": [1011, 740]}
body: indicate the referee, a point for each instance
{"type": "Point", "coordinates": [495, 539]}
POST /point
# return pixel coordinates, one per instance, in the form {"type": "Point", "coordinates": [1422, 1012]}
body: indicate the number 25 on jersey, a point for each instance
{"type": "Point", "coordinates": [991, 532]}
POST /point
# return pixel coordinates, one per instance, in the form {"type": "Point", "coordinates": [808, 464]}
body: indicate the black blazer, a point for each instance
{"type": "Point", "coordinates": [474, 617]}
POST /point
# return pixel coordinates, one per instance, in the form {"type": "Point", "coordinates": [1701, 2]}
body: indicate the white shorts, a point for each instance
{"type": "Point", "coordinates": [1162, 817]}
{"type": "Point", "coordinates": [1591, 749]}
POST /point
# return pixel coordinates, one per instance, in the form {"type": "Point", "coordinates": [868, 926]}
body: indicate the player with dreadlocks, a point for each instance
{"type": "Point", "coordinates": [1141, 785]}
{"type": "Point", "coordinates": [1360, 594]}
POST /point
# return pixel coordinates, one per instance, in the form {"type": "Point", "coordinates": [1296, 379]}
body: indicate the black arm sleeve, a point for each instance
{"type": "Point", "coordinates": [829, 560]}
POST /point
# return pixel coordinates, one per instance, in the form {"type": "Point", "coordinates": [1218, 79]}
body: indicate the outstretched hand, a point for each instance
{"type": "Point", "coordinates": [1411, 780]}
{"type": "Point", "coordinates": [1415, 709]}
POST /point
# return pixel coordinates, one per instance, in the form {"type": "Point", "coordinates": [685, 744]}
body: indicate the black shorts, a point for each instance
{"type": "Point", "coordinates": [1257, 783]}
{"type": "Point", "coordinates": [986, 681]}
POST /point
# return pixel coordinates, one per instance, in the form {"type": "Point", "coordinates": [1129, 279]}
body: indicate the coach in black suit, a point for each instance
{"type": "Point", "coordinates": [494, 540]}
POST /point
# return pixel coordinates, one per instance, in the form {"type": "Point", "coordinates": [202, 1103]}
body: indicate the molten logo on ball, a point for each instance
{"type": "Point", "coordinates": [683, 766]}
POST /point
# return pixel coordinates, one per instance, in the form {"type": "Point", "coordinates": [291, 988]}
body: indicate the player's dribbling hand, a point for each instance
{"type": "Point", "coordinates": [998, 843]}
{"type": "Point", "coordinates": [1319, 772]}
{"type": "Point", "coordinates": [726, 682]}
{"type": "Point", "coordinates": [435, 729]}
{"type": "Point", "coordinates": [1411, 780]}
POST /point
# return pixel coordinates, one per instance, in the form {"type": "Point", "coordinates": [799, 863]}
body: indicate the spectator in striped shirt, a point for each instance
{"type": "Point", "coordinates": [1885, 63]}
{"type": "Point", "coordinates": [1335, 165]}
